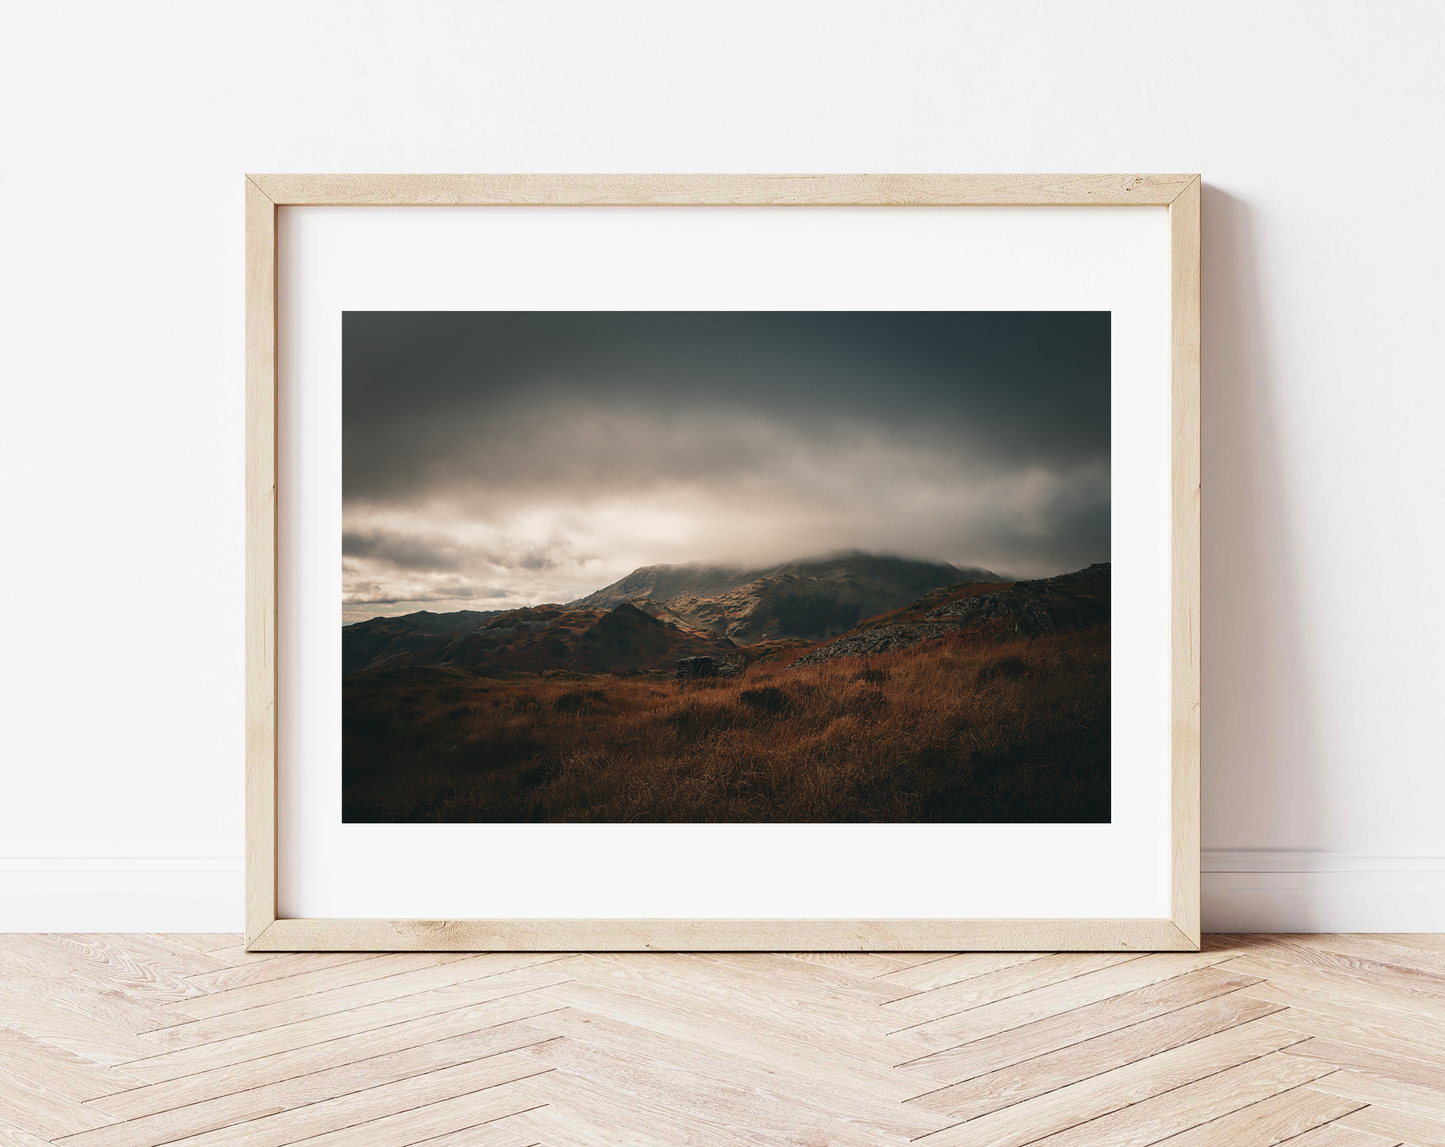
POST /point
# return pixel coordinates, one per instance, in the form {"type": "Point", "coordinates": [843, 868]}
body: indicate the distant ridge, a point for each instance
{"type": "Point", "coordinates": [379, 638]}
{"type": "Point", "coordinates": [539, 638]}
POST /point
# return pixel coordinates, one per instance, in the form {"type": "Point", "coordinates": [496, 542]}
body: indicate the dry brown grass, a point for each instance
{"type": "Point", "coordinates": [958, 730]}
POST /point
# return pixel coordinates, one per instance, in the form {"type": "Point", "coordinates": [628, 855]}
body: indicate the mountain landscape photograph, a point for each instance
{"type": "Point", "coordinates": [726, 566]}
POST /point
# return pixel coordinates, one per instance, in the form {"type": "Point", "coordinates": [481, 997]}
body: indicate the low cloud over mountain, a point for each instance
{"type": "Point", "coordinates": [501, 460]}
{"type": "Point", "coordinates": [814, 598]}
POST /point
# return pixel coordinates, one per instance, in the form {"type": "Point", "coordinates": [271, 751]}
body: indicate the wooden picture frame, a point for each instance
{"type": "Point", "coordinates": [265, 931]}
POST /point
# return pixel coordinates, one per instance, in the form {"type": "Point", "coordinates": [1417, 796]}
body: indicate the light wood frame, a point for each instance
{"type": "Point", "coordinates": [265, 193]}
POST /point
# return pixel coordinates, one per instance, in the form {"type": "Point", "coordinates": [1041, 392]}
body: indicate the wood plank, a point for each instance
{"type": "Point", "coordinates": [1005, 1086]}
{"type": "Point", "coordinates": [44, 1112]}
{"type": "Point", "coordinates": [138, 961]}
{"type": "Point", "coordinates": [238, 954]}
{"type": "Point", "coordinates": [65, 968]}
{"type": "Point", "coordinates": [737, 997]}
{"type": "Point", "coordinates": [915, 959]}
{"type": "Point", "coordinates": [261, 967]}
{"type": "Point", "coordinates": [256, 1102]}
{"type": "Point", "coordinates": [866, 964]}
{"type": "Point", "coordinates": [470, 1113]}
{"type": "Point", "coordinates": [49, 1066]}
{"type": "Point", "coordinates": [501, 1133]}
{"type": "Point", "coordinates": [770, 971]}
{"type": "Point", "coordinates": [1273, 1120]}
{"type": "Point", "coordinates": [1402, 953]}
{"type": "Point", "coordinates": [1373, 1062]}
{"type": "Point", "coordinates": [1325, 1014]}
{"type": "Point", "coordinates": [708, 1099]}
{"type": "Point", "coordinates": [1338, 1135]}
{"type": "Point", "coordinates": [497, 1026]}
{"type": "Point", "coordinates": [254, 1045]}
{"type": "Point", "coordinates": [288, 988]}
{"type": "Point", "coordinates": [12, 1136]}
{"type": "Point", "coordinates": [938, 1003]}
{"type": "Point", "coordinates": [746, 1034]}
{"type": "Point", "coordinates": [569, 1126]}
{"type": "Point", "coordinates": [1074, 1025]}
{"type": "Point", "coordinates": [1415, 994]}
{"type": "Point", "coordinates": [599, 1106]}
{"type": "Point", "coordinates": [44, 970]}
{"type": "Point", "coordinates": [959, 966]}
{"type": "Point", "coordinates": [424, 975]}
{"type": "Point", "coordinates": [1427, 1101]}
{"type": "Point", "coordinates": [1118, 1090]}
{"type": "Point", "coordinates": [1041, 1003]}
{"type": "Point", "coordinates": [745, 1037]}
{"type": "Point", "coordinates": [1189, 1106]}
{"type": "Point", "coordinates": [1410, 949]}
{"type": "Point", "coordinates": [697, 1057]}
{"type": "Point", "coordinates": [207, 942]}
{"type": "Point", "coordinates": [349, 1112]}
{"type": "Point", "coordinates": [78, 1027]}
{"type": "Point", "coordinates": [1361, 956]}
{"type": "Point", "coordinates": [1395, 1124]}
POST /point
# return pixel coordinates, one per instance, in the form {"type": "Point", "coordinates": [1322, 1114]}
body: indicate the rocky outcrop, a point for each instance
{"type": "Point", "coordinates": [887, 639]}
{"type": "Point", "coordinates": [1028, 615]}
{"type": "Point", "coordinates": [981, 607]}
{"type": "Point", "coordinates": [693, 668]}
{"type": "Point", "coordinates": [1019, 610]}
{"type": "Point", "coordinates": [1031, 619]}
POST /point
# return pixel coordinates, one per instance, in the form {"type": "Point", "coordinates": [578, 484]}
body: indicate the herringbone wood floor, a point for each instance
{"type": "Point", "coordinates": [136, 1041]}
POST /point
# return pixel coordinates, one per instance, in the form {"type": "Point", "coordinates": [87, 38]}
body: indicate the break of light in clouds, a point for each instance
{"type": "Point", "coordinates": [495, 460]}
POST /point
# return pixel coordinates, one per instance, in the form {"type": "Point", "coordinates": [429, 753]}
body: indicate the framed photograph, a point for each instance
{"type": "Point", "coordinates": [724, 562]}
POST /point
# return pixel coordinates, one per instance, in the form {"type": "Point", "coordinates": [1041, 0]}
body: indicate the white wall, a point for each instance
{"type": "Point", "coordinates": [127, 129]}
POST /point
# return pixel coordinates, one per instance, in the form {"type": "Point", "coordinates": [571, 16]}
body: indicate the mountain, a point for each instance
{"type": "Point", "coordinates": [658, 583]}
{"type": "Point", "coordinates": [368, 642]}
{"type": "Point", "coordinates": [998, 610]}
{"type": "Point", "coordinates": [814, 598]}
{"type": "Point", "coordinates": [672, 612]}
{"type": "Point", "coordinates": [620, 640]}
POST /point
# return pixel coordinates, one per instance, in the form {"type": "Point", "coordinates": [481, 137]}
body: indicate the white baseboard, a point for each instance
{"type": "Point", "coordinates": [121, 894]}
{"type": "Point", "coordinates": [1243, 891]}
{"type": "Point", "coordinates": [1260, 891]}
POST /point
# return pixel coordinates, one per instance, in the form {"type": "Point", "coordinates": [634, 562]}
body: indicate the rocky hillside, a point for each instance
{"type": "Point", "coordinates": [690, 610]}
{"type": "Point", "coordinates": [619, 640]}
{"type": "Point", "coordinates": [372, 642]}
{"type": "Point", "coordinates": [1036, 608]}
{"type": "Point", "coordinates": [658, 583]}
{"type": "Point", "coordinates": [814, 599]}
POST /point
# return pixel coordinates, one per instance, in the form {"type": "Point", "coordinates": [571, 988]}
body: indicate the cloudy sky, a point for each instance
{"type": "Point", "coordinates": [494, 460]}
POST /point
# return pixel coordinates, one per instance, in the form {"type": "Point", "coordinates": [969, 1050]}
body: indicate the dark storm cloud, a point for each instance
{"type": "Point", "coordinates": [513, 444]}
{"type": "Point", "coordinates": [404, 551]}
{"type": "Point", "coordinates": [432, 398]}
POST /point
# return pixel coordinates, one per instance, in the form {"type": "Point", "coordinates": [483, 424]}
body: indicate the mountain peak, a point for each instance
{"type": "Point", "coordinates": [814, 597]}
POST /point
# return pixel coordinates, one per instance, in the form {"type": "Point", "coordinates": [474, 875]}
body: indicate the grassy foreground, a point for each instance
{"type": "Point", "coordinates": [958, 730]}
